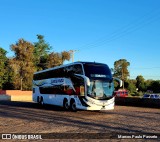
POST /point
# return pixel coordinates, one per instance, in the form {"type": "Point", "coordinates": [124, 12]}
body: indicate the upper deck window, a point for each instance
{"type": "Point", "coordinates": [97, 71]}
{"type": "Point", "coordinates": [75, 69]}
{"type": "Point", "coordinates": [59, 72]}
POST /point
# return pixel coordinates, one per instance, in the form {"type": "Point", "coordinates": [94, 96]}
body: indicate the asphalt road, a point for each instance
{"type": "Point", "coordinates": [27, 117]}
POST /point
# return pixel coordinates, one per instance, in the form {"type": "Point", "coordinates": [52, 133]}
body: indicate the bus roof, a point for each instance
{"type": "Point", "coordinates": [74, 63]}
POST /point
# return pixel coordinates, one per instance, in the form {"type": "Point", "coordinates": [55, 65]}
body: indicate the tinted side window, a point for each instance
{"type": "Point", "coordinates": [61, 72]}
{"type": "Point", "coordinates": [75, 69]}
{"type": "Point", "coordinates": [78, 69]}
{"type": "Point", "coordinates": [38, 76]}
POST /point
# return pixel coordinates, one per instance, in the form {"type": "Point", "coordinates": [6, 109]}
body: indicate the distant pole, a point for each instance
{"type": "Point", "coordinates": [122, 79]}
{"type": "Point", "coordinates": [72, 54]}
{"type": "Point", "coordinates": [21, 84]}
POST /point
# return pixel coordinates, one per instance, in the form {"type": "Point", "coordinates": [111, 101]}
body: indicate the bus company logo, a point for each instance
{"type": "Point", "coordinates": [6, 136]}
{"type": "Point", "coordinates": [57, 81]}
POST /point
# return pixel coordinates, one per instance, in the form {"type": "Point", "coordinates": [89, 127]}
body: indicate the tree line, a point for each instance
{"type": "Point", "coordinates": [135, 86]}
{"type": "Point", "coordinates": [17, 72]}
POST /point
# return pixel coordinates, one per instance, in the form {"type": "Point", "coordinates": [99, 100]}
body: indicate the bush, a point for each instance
{"type": "Point", "coordinates": [138, 94]}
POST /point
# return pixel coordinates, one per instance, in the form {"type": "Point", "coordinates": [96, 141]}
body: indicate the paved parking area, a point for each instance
{"type": "Point", "coordinates": [27, 117]}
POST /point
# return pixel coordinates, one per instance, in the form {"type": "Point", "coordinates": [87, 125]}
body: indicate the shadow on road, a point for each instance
{"type": "Point", "coordinates": [30, 105]}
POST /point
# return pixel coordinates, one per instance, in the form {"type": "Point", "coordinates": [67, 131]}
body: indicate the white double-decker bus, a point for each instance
{"type": "Point", "coordinates": [79, 85]}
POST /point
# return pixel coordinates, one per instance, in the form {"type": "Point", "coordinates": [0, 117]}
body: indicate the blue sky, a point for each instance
{"type": "Point", "coordinates": [100, 30]}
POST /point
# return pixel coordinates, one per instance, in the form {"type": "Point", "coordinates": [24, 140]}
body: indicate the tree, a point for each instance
{"type": "Point", "coordinates": [44, 59]}
{"type": "Point", "coordinates": [3, 67]}
{"type": "Point", "coordinates": [140, 84]}
{"type": "Point", "coordinates": [56, 59]}
{"type": "Point", "coordinates": [65, 56]}
{"type": "Point", "coordinates": [53, 60]}
{"type": "Point", "coordinates": [41, 52]}
{"type": "Point", "coordinates": [23, 64]}
{"type": "Point", "coordinates": [9, 75]}
{"type": "Point", "coordinates": [155, 86]}
{"type": "Point", "coordinates": [121, 70]}
{"type": "Point", "coordinates": [131, 87]}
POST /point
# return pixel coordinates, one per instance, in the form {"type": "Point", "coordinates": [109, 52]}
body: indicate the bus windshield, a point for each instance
{"type": "Point", "coordinates": [100, 89]}
{"type": "Point", "coordinates": [101, 83]}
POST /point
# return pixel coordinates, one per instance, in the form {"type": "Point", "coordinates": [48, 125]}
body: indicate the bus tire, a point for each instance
{"type": "Point", "coordinates": [65, 104]}
{"type": "Point", "coordinates": [38, 101]}
{"type": "Point", "coordinates": [73, 105]}
{"type": "Point", "coordinates": [41, 101]}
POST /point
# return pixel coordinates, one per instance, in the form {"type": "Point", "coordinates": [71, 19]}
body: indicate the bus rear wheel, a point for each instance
{"type": "Point", "coordinates": [41, 101]}
{"type": "Point", "coordinates": [65, 104]}
{"type": "Point", "coordinates": [38, 100]}
{"type": "Point", "coordinates": [73, 105]}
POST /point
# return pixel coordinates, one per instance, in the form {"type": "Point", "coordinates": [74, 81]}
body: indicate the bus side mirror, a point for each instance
{"type": "Point", "coordinates": [119, 80]}
{"type": "Point", "coordinates": [87, 81]}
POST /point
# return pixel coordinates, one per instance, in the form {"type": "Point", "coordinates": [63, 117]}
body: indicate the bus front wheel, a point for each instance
{"type": "Point", "coordinates": [73, 105]}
